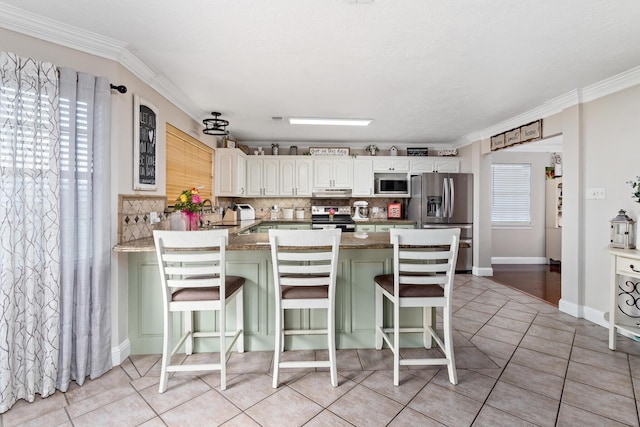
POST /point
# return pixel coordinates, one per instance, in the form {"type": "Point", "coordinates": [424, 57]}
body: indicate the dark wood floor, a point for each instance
{"type": "Point", "coordinates": [539, 280]}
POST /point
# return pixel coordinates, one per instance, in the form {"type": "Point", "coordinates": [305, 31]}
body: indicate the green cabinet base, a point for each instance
{"type": "Point", "coordinates": [355, 297]}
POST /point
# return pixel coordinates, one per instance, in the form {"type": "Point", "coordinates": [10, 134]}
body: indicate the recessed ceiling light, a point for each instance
{"type": "Point", "coordinates": [328, 122]}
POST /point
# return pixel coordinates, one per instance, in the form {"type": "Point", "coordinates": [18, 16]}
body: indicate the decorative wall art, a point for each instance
{"type": "Point", "coordinates": [527, 133]}
{"type": "Point", "coordinates": [497, 142]}
{"type": "Point", "coordinates": [145, 134]}
{"type": "Point", "coordinates": [322, 151]}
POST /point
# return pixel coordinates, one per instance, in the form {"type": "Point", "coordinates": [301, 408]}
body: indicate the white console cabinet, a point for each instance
{"type": "Point", "coordinates": [623, 263]}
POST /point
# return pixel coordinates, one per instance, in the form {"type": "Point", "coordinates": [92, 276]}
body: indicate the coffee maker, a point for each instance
{"type": "Point", "coordinates": [360, 210]}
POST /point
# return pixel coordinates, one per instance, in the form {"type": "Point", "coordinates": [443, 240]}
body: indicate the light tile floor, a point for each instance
{"type": "Point", "coordinates": [520, 363]}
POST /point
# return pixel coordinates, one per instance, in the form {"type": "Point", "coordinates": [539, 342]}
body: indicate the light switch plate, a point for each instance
{"type": "Point", "coordinates": [595, 193]}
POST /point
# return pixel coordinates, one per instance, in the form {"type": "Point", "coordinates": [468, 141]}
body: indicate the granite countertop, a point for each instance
{"type": "Point", "coordinates": [260, 241]}
{"type": "Point", "coordinates": [241, 240]}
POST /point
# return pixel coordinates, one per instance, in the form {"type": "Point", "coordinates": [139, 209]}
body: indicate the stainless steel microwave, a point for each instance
{"type": "Point", "coordinates": [392, 184]}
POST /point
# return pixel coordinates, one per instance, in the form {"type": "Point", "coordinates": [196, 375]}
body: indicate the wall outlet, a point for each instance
{"type": "Point", "coordinates": [595, 193]}
{"type": "Point", "coordinates": [153, 218]}
{"type": "Point", "coordinates": [375, 209]}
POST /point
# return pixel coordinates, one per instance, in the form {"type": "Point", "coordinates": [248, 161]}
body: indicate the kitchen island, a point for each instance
{"type": "Point", "coordinates": [248, 255]}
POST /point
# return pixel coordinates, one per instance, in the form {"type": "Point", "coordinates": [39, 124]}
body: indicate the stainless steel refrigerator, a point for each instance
{"type": "Point", "coordinates": [445, 200]}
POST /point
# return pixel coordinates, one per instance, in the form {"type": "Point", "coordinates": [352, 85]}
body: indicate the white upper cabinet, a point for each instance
{"type": "Point", "coordinates": [296, 176]}
{"type": "Point", "coordinates": [332, 172]}
{"type": "Point", "coordinates": [447, 165]}
{"type": "Point", "coordinates": [390, 164]}
{"type": "Point", "coordinates": [363, 177]}
{"type": "Point", "coordinates": [426, 164]}
{"type": "Point", "coordinates": [263, 176]}
{"type": "Point", "coordinates": [230, 172]}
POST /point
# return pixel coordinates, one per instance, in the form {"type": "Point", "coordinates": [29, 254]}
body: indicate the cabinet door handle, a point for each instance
{"type": "Point", "coordinates": [633, 268]}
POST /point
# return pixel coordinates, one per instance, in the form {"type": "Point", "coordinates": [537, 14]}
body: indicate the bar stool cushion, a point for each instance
{"type": "Point", "coordinates": [306, 292]}
{"type": "Point", "coordinates": [407, 289]}
{"type": "Point", "coordinates": [232, 284]}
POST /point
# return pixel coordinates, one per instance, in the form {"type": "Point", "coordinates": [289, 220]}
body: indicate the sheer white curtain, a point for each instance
{"type": "Point", "coordinates": [85, 294]}
{"type": "Point", "coordinates": [54, 229]}
{"type": "Point", "coordinates": [29, 229]}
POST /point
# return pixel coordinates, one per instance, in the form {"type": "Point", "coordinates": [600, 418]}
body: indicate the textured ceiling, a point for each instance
{"type": "Point", "coordinates": [425, 71]}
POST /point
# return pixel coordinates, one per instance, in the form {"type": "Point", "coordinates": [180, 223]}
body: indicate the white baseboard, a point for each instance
{"type": "Point", "coordinates": [570, 308]}
{"type": "Point", "coordinates": [478, 271]}
{"type": "Point", "coordinates": [121, 352]}
{"type": "Point", "coordinates": [583, 312]}
{"type": "Point", "coordinates": [518, 260]}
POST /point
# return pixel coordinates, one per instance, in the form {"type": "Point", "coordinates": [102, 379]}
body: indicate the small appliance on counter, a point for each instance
{"type": "Point", "coordinates": [245, 212]}
{"type": "Point", "coordinates": [360, 210]}
{"type": "Point", "coordinates": [323, 217]}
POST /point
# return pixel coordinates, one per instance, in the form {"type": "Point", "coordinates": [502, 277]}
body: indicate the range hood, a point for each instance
{"type": "Point", "coordinates": [331, 193]}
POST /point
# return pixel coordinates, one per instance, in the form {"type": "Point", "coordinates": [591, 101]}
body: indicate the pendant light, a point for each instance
{"type": "Point", "coordinates": [215, 126]}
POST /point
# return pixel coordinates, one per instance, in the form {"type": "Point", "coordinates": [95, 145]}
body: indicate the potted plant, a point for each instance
{"type": "Point", "coordinates": [372, 149]}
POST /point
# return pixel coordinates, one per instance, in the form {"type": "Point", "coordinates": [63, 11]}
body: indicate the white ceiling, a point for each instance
{"type": "Point", "coordinates": [425, 71]}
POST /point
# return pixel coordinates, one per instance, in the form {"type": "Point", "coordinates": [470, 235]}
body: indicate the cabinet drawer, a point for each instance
{"type": "Point", "coordinates": [370, 228]}
{"type": "Point", "coordinates": [628, 266]}
{"type": "Point", "coordinates": [383, 228]}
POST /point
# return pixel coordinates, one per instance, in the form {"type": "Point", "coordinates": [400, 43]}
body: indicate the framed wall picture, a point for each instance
{"type": "Point", "coordinates": [145, 134]}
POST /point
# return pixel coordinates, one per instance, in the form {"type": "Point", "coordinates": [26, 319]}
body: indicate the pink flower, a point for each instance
{"type": "Point", "coordinates": [196, 198]}
{"type": "Point", "coordinates": [331, 212]}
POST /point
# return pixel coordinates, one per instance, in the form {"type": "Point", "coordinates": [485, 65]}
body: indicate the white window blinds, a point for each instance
{"type": "Point", "coordinates": [511, 194]}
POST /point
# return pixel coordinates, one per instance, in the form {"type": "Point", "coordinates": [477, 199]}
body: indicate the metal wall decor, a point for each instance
{"type": "Point", "coordinates": [215, 126]}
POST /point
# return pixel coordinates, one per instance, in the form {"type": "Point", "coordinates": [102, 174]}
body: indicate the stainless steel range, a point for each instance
{"type": "Point", "coordinates": [322, 218]}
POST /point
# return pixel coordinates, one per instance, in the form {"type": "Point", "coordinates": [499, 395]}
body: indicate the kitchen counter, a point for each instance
{"type": "Point", "coordinates": [248, 255]}
{"type": "Point", "coordinates": [260, 241]}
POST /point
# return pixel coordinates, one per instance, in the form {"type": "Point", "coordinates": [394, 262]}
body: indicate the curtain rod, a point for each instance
{"type": "Point", "coordinates": [120, 88]}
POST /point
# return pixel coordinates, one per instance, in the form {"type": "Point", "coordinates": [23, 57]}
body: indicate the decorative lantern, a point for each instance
{"type": "Point", "coordinates": [623, 231]}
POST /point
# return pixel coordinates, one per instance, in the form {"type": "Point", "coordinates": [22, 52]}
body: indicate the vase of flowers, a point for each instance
{"type": "Point", "coordinates": [189, 203]}
{"type": "Point", "coordinates": [331, 214]}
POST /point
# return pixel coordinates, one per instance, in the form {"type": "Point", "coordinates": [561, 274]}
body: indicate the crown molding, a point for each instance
{"type": "Point", "coordinates": [592, 92]}
{"type": "Point", "coordinates": [21, 21]}
{"type": "Point", "coordinates": [611, 85]}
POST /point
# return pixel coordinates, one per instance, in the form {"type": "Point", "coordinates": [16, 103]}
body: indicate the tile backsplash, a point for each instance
{"type": "Point", "coordinates": [133, 216]}
{"type": "Point", "coordinates": [134, 210]}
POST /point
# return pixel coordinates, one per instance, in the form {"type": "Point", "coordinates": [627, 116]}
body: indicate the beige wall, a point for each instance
{"type": "Point", "coordinates": [524, 242]}
{"type": "Point", "coordinates": [611, 157]}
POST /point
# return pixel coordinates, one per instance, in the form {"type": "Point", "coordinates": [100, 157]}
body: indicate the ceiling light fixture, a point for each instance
{"type": "Point", "coordinates": [328, 122]}
{"type": "Point", "coordinates": [215, 126]}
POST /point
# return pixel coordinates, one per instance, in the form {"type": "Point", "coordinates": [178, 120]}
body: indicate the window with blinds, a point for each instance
{"type": "Point", "coordinates": [189, 164]}
{"type": "Point", "coordinates": [511, 194]}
